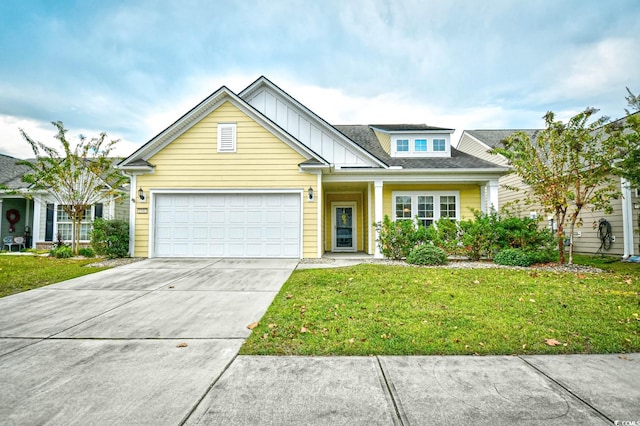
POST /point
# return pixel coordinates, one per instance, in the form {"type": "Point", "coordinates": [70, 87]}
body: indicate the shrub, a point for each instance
{"type": "Point", "coordinates": [479, 238]}
{"type": "Point", "coordinates": [110, 238]}
{"type": "Point", "coordinates": [86, 252]}
{"type": "Point", "coordinates": [61, 252]}
{"type": "Point", "coordinates": [444, 233]}
{"type": "Point", "coordinates": [427, 255]}
{"type": "Point", "coordinates": [396, 239]}
{"type": "Point", "coordinates": [512, 257]}
{"type": "Point", "coordinates": [543, 256]}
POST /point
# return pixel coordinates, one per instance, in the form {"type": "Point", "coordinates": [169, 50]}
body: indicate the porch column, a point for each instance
{"type": "Point", "coordinates": [1, 217]}
{"type": "Point", "coordinates": [493, 195]}
{"type": "Point", "coordinates": [35, 229]}
{"type": "Point", "coordinates": [377, 214]}
{"type": "Point", "coordinates": [484, 206]}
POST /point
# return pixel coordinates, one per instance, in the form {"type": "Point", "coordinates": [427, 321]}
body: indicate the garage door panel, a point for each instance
{"type": "Point", "coordinates": [227, 225]}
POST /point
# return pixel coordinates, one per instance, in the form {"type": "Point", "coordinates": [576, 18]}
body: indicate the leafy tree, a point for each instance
{"type": "Point", "coordinates": [567, 167]}
{"type": "Point", "coordinates": [629, 142]}
{"type": "Point", "coordinates": [77, 177]}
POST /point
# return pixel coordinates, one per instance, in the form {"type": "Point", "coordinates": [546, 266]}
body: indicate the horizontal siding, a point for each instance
{"type": "Point", "coordinates": [471, 146]}
{"type": "Point", "coordinates": [586, 239]}
{"type": "Point", "coordinates": [261, 161]}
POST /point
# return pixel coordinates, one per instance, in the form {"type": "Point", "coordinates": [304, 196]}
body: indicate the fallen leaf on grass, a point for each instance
{"type": "Point", "coordinates": [552, 342]}
{"type": "Point", "coordinates": [289, 296]}
{"type": "Point", "coordinates": [303, 329]}
{"type": "Point", "coordinates": [253, 325]}
{"type": "Point", "coordinates": [181, 345]}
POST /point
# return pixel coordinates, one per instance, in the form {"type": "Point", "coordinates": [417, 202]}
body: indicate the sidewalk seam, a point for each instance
{"type": "Point", "coordinates": [206, 392]}
{"type": "Point", "coordinates": [393, 396]}
{"type": "Point", "coordinates": [566, 388]}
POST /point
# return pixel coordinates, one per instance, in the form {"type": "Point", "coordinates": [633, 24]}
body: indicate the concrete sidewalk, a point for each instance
{"type": "Point", "coordinates": [156, 343]}
{"type": "Point", "coordinates": [541, 390]}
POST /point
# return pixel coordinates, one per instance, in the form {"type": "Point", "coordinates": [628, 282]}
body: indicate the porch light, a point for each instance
{"type": "Point", "coordinates": [141, 194]}
{"type": "Point", "coordinates": [310, 194]}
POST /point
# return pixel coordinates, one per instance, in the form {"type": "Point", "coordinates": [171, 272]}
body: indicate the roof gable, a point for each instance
{"type": "Point", "coordinates": [306, 126]}
{"type": "Point", "coordinates": [139, 159]}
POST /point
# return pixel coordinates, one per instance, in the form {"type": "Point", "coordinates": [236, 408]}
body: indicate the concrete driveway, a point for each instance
{"type": "Point", "coordinates": [138, 344]}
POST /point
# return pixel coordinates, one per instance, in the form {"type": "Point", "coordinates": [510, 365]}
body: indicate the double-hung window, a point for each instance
{"type": "Point", "coordinates": [403, 207]}
{"type": "Point", "coordinates": [426, 206]}
{"type": "Point", "coordinates": [65, 225]}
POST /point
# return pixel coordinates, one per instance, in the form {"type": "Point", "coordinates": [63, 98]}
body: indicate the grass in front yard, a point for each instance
{"type": "Point", "coordinates": [21, 273]}
{"type": "Point", "coordinates": [395, 310]}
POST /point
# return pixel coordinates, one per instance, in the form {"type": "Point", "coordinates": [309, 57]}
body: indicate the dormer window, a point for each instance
{"type": "Point", "coordinates": [417, 145]}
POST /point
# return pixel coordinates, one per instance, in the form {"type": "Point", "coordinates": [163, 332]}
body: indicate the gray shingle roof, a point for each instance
{"type": "Point", "coordinates": [493, 137]}
{"type": "Point", "coordinates": [366, 139]}
{"type": "Point", "coordinates": [11, 173]}
{"type": "Point", "coordinates": [407, 127]}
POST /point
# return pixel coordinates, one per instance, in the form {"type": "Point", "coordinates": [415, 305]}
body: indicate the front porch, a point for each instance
{"type": "Point", "coordinates": [16, 219]}
{"type": "Point", "coordinates": [351, 208]}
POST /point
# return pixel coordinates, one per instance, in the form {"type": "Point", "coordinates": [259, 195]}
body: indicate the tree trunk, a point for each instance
{"type": "Point", "coordinates": [561, 243]}
{"type": "Point", "coordinates": [571, 228]}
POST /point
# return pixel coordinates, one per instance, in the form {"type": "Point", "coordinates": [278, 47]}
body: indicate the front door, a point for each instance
{"type": "Point", "coordinates": [344, 227]}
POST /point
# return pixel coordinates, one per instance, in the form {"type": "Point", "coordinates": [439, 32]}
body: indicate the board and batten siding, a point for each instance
{"type": "Point", "coordinates": [305, 129]}
{"type": "Point", "coordinates": [261, 161]}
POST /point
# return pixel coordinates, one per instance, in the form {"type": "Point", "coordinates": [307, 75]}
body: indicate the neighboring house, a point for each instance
{"type": "Point", "coordinates": [35, 214]}
{"type": "Point", "coordinates": [624, 220]}
{"type": "Point", "coordinates": [257, 174]}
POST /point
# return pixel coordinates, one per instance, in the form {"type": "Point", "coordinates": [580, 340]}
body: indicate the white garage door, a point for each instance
{"type": "Point", "coordinates": [227, 225]}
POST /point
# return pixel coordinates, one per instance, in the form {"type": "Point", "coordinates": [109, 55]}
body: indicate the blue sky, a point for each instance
{"type": "Point", "coordinates": [131, 68]}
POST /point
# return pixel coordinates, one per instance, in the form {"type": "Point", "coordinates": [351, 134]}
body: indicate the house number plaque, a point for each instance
{"type": "Point", "coordinates": [143, 211]}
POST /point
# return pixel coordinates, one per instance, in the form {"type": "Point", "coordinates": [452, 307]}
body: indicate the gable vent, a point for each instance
{"type": "Point", "coordinates": [226, 137]}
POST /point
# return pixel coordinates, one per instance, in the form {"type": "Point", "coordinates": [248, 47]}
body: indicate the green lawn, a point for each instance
{"type": "Point", "coordinates": [395, 310]}
{"type": "Point", "coordinates": [21, 273]}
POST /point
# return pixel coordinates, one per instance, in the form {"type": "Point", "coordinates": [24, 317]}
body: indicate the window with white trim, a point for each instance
{"type": "Point", "coordinates": [426, 206]}
{"type": "Point", "coordinates": [420, 145]}
{"type": "Point", "coordinates": [65, 224]}
{"type": "Point", "coordinates": [227, 137]}
{"type": "Point", "coordinates": [439, 145]}
{"type": "Point", "coordinates": [402, 145]}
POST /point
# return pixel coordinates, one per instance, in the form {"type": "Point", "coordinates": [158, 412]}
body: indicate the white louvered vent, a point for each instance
{"type": "Point", "coordinates": [226, 137]}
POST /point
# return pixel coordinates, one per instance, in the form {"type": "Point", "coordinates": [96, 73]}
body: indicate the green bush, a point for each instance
{"type": "Point", "coordinates": [427, 255]}
{"type": "Point", "coordinates": [479, 238]}
{"type": "Point", "coordinates": [512, 257]}
{"type": "Point", "coordinates": [396, 239]}
{"type": "Point", "coordinates": [61, 252]}
{"type": "Point", "coordinates": [86, 252]}
{"type": "Point", "coordinates": [110, 238]}
{"type": "Point", "coordinates": [543, 255]}
{"type": "Point", "coordinates": [444, 233]}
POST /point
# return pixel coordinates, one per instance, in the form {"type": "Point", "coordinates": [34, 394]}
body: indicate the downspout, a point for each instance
{"type": "Point", "coordinates": [627, 218]}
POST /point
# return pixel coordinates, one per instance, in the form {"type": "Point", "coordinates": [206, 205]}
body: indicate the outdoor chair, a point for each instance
{"type": "Point", "coordinates": [19, 241]}
{"type": "Point", "coordinates": [8, 242]}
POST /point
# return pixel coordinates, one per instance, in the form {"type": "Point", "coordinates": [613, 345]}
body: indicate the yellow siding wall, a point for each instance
{"type": "Point", "coordinates": [469, 196]}
{"type": "Point", "coordinates": [261, 161]}
{"type": "Point", "coordinates": [385, 141]}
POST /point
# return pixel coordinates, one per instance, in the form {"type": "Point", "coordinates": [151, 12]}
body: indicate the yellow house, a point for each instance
{"type": "Point", "coordinates": [257, 174]}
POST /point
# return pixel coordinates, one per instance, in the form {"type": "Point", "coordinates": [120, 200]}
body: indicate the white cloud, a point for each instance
{"type": "Point", "coordinates": [14, 145]}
